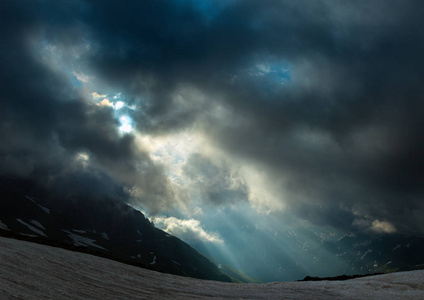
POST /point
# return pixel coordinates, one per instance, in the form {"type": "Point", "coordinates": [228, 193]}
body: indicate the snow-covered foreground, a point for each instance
{"type": "Point", "coordinates": [31, 271]}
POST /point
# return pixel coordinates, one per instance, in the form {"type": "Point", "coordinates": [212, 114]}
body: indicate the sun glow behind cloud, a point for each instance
{"type": "Point", "coordinates": [176, 153]}
{"type": "Point", "coordinates": [126, 124]}
{"type": "Point", "coordinates": [172, 151]}
{"type": "Point", "coordinates": [65, 61]}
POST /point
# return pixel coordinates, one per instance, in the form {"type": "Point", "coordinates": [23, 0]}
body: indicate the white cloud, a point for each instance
{"type": "Point", "coordinates": [105, 102]}
{"type": "Point", "coordinates": [187, 230]}
{"type": "Point", "coordinates": [382, 227]}
{"type": "Point", "coordinates": [83, 77]}
{"type": "Point", "coordinates": [367, 223]}
{"type": "Point", "coordinates": [96, 95]}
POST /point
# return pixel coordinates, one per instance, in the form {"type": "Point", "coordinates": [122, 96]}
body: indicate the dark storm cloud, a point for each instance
{"type": "Point", "coordinates": [342, 135]}
{"type": "Point", "coordinates": [45, 125]}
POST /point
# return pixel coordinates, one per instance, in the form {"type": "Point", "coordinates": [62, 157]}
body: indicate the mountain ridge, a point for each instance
{"type": "Point", "coordinates": [105, 227]}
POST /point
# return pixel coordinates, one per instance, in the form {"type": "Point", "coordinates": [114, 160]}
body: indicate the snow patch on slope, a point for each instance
{"type": "Point", "coordinates": [82, 240]}
{"type": "Point", "coordinates": [38, 224]}
{"type": "Point", "coordinates": [40, 206]}
{"type": "Point", "coordinates": [397, 247]}
{"type": "Point", "coordinates": [32, 228]}
{"type": "Point", "coordinates": [366, 252]}
{"type": "Point", "coordinates": [2, 225]}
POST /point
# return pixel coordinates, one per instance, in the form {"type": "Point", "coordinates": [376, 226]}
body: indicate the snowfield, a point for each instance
{"type": "Point", "coordinates": [32, 271]}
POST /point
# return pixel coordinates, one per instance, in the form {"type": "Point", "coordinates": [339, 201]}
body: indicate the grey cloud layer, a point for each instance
{"type": "Point", "coordinates": [44, 122]}
{"type": "Point", "coordinates": [342, 137]}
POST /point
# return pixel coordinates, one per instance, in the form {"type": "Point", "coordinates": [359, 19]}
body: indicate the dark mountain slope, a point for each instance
{"type": "Point", "coordinates": [104, 227]}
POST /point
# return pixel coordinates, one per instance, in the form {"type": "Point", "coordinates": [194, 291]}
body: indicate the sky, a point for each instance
{"type": "Point", "coordinates": [231, 124]}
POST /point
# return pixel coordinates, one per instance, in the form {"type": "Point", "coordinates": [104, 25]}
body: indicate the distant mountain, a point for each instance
{"type": "Point", "coordinates": [301, 252]}
{"type": "Point", "coordinates": [105, 227]}
{"type": "Point", "coordinates": [361, 253]}
{"type": "Point", "coordinates": [356, 253]}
